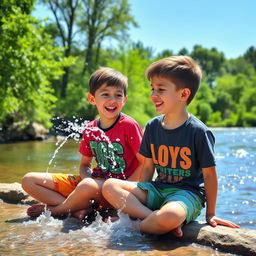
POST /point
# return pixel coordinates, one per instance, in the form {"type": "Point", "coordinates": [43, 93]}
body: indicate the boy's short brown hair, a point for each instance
{"type": "Point", "coordinates": [183, 71]}
{"type": "Point", "coordinates": [108, 76]}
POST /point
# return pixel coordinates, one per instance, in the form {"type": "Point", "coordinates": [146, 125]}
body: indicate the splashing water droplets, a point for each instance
{"type": "Point", "coordinates": [75, 129]}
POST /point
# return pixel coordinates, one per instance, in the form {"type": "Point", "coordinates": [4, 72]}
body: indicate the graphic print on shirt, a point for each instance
{"type": "Point", "coordinates": [108, 156]}
{"type": "Point", "coordinates": [172, 163]}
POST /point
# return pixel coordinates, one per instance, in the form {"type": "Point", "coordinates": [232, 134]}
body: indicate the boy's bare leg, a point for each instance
{"type": "Point", "coordinates": [169, 218]}
{"type": "Point", "coordinates": [81, 214]}
{"type": "Point", "coordinates": [41, 187]}
{"type": "Point", "coordinates": [130, 199]}
{"type": "Point", "coordinates": [87, 191]}
{"type": "Point", "coordinates": [126, 196]}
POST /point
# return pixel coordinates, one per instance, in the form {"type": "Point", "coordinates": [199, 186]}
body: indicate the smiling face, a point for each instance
{"type": "Point", "coordinates": [109, 101]}
{"type": "Point", "coordinates": [166, 97]}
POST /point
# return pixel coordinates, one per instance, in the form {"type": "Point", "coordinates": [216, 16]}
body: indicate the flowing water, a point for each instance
{"type": "Point", "coordinates": [20, 236]}
{"type": "Point", "coordinates": [236, 162]}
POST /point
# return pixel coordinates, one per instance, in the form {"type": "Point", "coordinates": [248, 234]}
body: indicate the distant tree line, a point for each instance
{"type": "Point", "coordinates": [45, 65]}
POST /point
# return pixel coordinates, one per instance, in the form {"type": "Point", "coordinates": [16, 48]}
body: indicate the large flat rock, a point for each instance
{"type": "Point", "coordinates": [237, 241]}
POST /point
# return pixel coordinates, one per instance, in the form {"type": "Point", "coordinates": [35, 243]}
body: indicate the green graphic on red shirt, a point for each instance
{"type": "Point", "coordinates": [109, 156]}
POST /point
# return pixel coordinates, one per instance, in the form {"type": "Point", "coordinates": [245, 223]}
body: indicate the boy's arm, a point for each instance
{"type": "Point", "coordinates": [85, 167]}
{"type": "Point", "coordinates": [211, 188]}
{"type": "Point", "coordinates": [137, 173]}
{"type": "Point", "coordinates": [147, 170]}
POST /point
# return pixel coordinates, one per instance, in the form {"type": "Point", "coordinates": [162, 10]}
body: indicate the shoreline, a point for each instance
{"type": "Point", "coordinates": [58, 137]}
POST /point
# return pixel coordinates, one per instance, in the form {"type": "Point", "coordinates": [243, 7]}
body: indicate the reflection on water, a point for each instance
{"type": "Point", "coordinates": [16, 159]}
{"type": "Point", "coordinates": [48, 236]}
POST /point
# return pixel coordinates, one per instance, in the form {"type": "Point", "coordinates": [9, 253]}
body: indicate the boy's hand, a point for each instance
{"type": "Point", "coordinates": [214, 221]}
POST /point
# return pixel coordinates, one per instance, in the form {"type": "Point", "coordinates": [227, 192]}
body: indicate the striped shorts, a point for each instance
{"type": "Point", "coordinates": [157, 197]}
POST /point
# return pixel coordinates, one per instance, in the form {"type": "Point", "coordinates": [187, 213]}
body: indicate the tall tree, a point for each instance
{"type": "Point", "coordinates": [64, 12]}
{"type": "Point", "coordinates": [102, 19]}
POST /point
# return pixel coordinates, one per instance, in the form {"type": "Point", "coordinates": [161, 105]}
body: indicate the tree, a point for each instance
{"type": "Point", "coordinates": [6, 7]}
{"type": "Point", "coordinates": [102, 19]}
{"type": "Point", "coordinates": [183, 51]}
{"type": "Point", "coordinates": [201, 105]}
{"type": "Point", "coordinates": [210, 60]}
{"type": "Point", "coordinates": [64, 12]}
{"type": "Point", "coordinates": [132, 63]}
{"type": "Point", "coordinates": [88, 22]}
{"type": "Point", "coordinates": [144, 52]}
{"type": "Point", "coordinates": [250, 55]}
{"type": "Point", "coordinates": [165, 53]}
{"type": "Point", "coordinates": [239, 65]}
{"type": "Point", "coordinates": [28, 62]}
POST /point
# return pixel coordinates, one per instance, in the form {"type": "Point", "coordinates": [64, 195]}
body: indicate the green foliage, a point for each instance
{"type": "Point", "coordinates": [77, 98]}
{"type": "Point", "coordinates": [250, 117]}
{"type": "Point", "coordinates": [7, 7]}
{"type": "Point", "coordinates": [248, 98]}
{"type": "Point", "coordinates": [210, 60]}
{"type": "Point", "coordinates": [130, 63]}
{"type": "Point", "coordinates": [28, 62]}
{"type": "Point", "coordinates": [236, 66]}
{"type": "Point", "coordinates": [38, 82]}
{"type": "Point", "coordinates": [204, 112]}
{"type": "Point", "coordinates": [250, 56]}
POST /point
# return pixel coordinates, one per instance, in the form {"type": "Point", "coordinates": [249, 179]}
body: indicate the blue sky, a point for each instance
{"type": "Point", "coordinates": [228, 25]}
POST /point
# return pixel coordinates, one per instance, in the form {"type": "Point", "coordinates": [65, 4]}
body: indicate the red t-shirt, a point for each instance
{"type": "Point", "coordinates": [114, 148]}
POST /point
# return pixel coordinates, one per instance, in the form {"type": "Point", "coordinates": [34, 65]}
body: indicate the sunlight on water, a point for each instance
{"type": "Point", "coordinates": [236, 154]}
{"type": "Point", "coordinates": [49, 236]}
{"type": "Point", "coordinates": [236, 165]}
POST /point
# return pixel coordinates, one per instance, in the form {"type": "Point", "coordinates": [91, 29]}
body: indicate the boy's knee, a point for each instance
{"type": "Point", "coordinates": [108, 186]}
{"type": "Point", "coordinates": [27, 179]}
{"type": "Point", "coordinates": [87, 184]}
{"type": "Point", "coordinates": [170, 217]}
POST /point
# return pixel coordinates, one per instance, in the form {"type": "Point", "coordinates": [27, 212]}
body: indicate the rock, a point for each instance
{"type": "Point", "coordinates": [233, 240]}
{"type": "Point", "coordinates": [23, 131]}
{"type": "Point", "coordinates": [236, 241]}
{"type": "Point", "coordinates": [13, 193]}
{"type": "Point", "coordinates": [36, 131]}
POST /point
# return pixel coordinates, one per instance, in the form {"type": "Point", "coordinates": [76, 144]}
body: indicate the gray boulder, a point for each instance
{"type": "Point", "coordinates": [23, 131]}
{"type": "Point", "coordinates": [236, 241]}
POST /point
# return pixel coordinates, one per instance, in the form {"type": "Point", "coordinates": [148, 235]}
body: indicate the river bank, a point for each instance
{"type": "Point", "coordinates": [236, 241]}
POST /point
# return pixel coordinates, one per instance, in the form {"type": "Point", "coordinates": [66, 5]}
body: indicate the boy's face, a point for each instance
{"type": "Point", "coordinates": [165, 96]}
{"type": "Point", "coordinates": [109, 101]}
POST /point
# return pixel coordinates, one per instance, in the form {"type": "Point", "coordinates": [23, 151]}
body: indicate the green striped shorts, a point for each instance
{"type": "Point", "coordinates": [157, 197]}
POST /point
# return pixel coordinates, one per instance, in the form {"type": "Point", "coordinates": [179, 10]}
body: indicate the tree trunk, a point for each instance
{"type": "Point", "coordinates": [64, 83]}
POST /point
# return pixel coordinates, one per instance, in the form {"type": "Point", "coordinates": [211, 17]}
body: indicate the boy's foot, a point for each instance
{"type": "Point", "coordinates": [177, 232]}
{"type": "Point", "coordinates": [81, 214]}
{"type": "Point", "coordinates": [36, 210]}
{"type": "Point", "coordinates": [111, 219]}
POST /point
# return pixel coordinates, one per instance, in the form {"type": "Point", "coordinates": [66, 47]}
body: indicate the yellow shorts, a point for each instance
{"type": "Point", "coordinates": [65, 183]}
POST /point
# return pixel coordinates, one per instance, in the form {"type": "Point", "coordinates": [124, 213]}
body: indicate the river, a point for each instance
{"type": "Point", "coordinates": [235, 151]}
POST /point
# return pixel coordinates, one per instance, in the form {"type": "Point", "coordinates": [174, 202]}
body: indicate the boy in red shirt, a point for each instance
{"type": "Point", "coordinates": [113, 140]}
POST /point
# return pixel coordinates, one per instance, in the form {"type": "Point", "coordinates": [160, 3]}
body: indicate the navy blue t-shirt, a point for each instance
{"type": "Point", "coordinates": [179, 154]}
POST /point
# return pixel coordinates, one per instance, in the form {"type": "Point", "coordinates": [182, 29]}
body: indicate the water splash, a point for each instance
{"type": "Point", "coordinates": [98, 230]}
{"type": "Point", "coordinates": [241, 153]}
{"type": "Point", "coordinates": [75, 129]}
